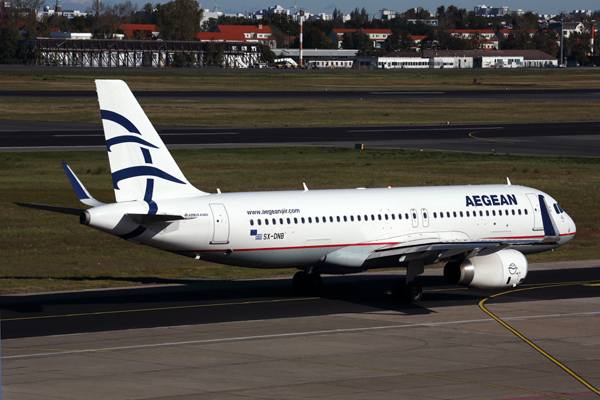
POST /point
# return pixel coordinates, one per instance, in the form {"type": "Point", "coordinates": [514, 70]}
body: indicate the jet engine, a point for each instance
{"type": "Point", "coordinates": [505, 268]}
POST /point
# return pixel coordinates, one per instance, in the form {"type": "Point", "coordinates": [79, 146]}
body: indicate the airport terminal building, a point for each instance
{"type": "Point", "coordinates": [459, 59]}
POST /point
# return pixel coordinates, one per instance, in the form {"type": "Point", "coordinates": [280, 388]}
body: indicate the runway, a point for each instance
{"type": "Point", "coordinates": [561, 138]}
{"type": "Point", "coordinates": [253, 340]}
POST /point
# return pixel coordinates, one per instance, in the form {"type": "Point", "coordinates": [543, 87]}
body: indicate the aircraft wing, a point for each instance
{"type": "Point", "coordinates": [446, 250]}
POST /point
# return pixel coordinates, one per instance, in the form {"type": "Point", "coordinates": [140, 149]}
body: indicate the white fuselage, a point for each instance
{"type": "Point", "coordinates": [340, 228]}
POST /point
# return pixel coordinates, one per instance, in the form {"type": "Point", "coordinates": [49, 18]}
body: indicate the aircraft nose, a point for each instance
{"type": "Point", "coordinates": [571, 229]}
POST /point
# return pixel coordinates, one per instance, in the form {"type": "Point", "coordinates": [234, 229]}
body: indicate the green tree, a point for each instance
{"type": "Point", "coordinates": [267, 54]}
{"type": "Point", "coordinates": [338, 15]}
{"type": "Point", "coordinates": [577, 45]}
{"type": "Point", "coordinates": [209, 26]}
{"type": "Point", "coordinates": [314, 38]}
{"type": "Point", "coordinates": [9, 43]}
{"type": "Point", "coordinates": [527, 21]}
{"type": "Point", "coordinates": [227, 20]}
{"type": "Point", "coordinates": [285, 23]}
{"type": "Point", "coordinates": [179, 19]}
{"type": "Point", "coordinates": [214, 55]}
{"type": "Point", "coordinates": [356, 40]}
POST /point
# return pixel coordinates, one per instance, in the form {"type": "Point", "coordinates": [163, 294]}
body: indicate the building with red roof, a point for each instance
{"type": "Point", "coordinates": [252, 33]}
{"type": "Point", "coordinates": [131, 30]}
{"type": "Point", "coordinates": [221, 37]}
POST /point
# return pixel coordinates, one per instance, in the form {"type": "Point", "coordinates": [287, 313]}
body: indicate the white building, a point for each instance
{"type": "Point", "coordinates": [386, 14]}
{"type": "Point", "coordinates": [48, 12]}
{"type": "Point", "coordinates": [207, 14]}
{"type": "Point", "coordinates": [271, 10]}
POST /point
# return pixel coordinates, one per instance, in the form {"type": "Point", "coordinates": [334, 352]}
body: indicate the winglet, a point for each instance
{"type": "Point", "coordinates": [82, 194]}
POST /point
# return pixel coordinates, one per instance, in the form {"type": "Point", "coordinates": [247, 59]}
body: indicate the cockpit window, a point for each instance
{"type": "Point", "coordinates": [556, 208]}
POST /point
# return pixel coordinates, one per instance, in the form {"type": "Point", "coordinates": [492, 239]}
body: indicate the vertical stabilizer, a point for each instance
{"type": "Point", "coordinates": [142, 168]}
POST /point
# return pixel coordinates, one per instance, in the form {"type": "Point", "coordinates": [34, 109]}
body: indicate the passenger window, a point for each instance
{"type": "Point", "coordinates": [372, 217]}
{"type": "Point", "coordinates": [480, 213]}
{"type": "Point", "coordinates": [434, 215]}
{"type": "Point", "coordinates": [352, 218]}
{"type": "Point", "coordinates": [330, 219]}
{"type": "Point", "coordinates": [251, 222]}
{"type": "Point", "coordinates": [366, 217]}
{"type": "Point", "coordinates": [448, 214]}
{"type": "Point", "coordinates": [259, 222]}
{"type": "Point", "coordinates": [386, 217]}
{"type": "Point", "coordinates": [289, 222]}
{"type": "Point", "coordinates": [338, 218]}
{"type": "Point", "coordinates": [274, 221]}
{"type": "Point", "coordinates": [309, 220]}
{"type": "Point", "coordinates": [266, 221]}
{"type": "Point", "coordinates": [302, 219]}
{"type": "Point", "coordinates": [461, 214]}
{"type": "Point", "coordinates": [519, 210]}
{"type": "Point", "coordinates": [494, 213]}
{"type": "Point", "coordinates": [345, 219]}
{"type": "Point", "coordinates": [317, 220]}
{"type": "Point", "coordinates": [399, 216]}
{"type": "Point", "coordinates": [525, 211]}
{"type": "Point", "coordinates": [414, 216]}
{"type": "Point", "coordinates": [425, 215]}
{"type": "Point", "coordinates": [500, 212]}
{"type": "Point", "coordinates": [441, 215]}
{"type": "Point", "coordinates": [487, 213]}
{"type": "Point", "coordinates": [406, 215]}
{"type": "Point", "coordinates": [358, 218]}
{"type": "Point", "coordinates": [394, 217]}
{"type": "Point", "coordinates": [379, 217]}
{"type": "Point", "coordinates": [295, 220]}
{"type": "Point", "coordinates": [468, 214]}
{"type": "Point", "coordinates": [324, 219]}
{"type": "Point", "coordinates": [513, 212]}
{"type": "Point", "coordinates": [454, 213]}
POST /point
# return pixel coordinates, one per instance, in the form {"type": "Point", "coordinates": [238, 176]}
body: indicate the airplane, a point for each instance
{"type": "Point", "coordinates": [481, 232]}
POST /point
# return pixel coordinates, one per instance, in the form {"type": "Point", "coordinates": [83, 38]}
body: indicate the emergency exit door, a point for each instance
{"type": "Point", "coordinates": [220, 224]}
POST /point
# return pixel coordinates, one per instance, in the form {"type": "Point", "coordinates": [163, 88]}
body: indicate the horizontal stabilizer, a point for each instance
{"type": "Point", "coordinates": [56, 209]}
{"type": "Point", "coordinates": [145, 219]}
{"type": "Point", "coordinates": [82, 194]}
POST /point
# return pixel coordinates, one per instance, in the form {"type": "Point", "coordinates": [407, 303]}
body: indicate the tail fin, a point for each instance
{"type": "Point", "coordinates": [142, 168]}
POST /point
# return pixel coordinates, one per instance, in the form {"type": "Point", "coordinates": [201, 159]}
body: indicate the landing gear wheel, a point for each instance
{"type": "Point", "coordinates": [398, 290]}
{"type": "Point", "coordinates": [314, 283]}
{"type": "Point", "coordinates": [299, 282]}
{"type": "Point", "coordinates": [413, 292]}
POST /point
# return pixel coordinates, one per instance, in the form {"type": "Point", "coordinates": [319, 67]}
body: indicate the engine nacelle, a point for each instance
{"type": "Point", "coordinates": [505, 268]}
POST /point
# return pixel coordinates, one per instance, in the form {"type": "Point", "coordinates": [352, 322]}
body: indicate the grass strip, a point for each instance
{"type": "Point", "coordinates": [306, 113]}
{"type": "Point", "coordinates": [273, 80]}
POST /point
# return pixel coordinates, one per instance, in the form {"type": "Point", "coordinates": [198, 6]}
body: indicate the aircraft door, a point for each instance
{"type": "Point", "coordinates": [415, 218]}
{"type": "Point", "coordinates": [425, 217]}
{"type": "Point", "coordinates": [538, 224]}
{"type": "Point", "coordinates": [220, 224]}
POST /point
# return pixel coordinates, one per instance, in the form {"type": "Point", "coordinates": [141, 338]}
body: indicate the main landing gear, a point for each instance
{"type": "Point", "coordinates": [407, 289]}
{"type": "Point", "coordinates": [307, 283]}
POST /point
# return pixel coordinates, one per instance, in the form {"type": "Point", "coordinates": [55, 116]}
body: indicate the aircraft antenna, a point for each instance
{"type": "Point", "coordinates": [508, 181]}
{"type": "Point", "coordinates": [305, 188]}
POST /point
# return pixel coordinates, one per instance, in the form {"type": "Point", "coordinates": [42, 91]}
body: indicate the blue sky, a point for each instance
{"type": "Point", "coordinates": [372, 6]}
